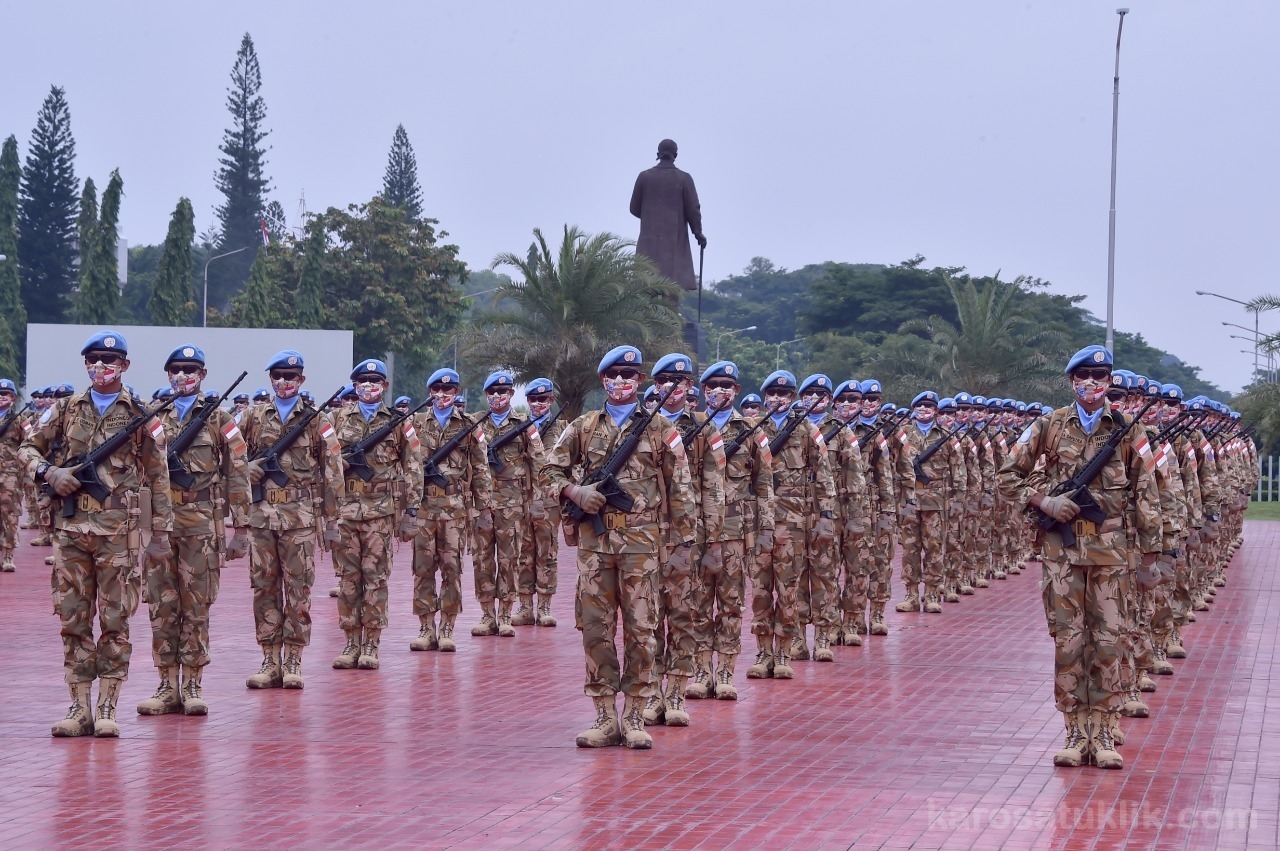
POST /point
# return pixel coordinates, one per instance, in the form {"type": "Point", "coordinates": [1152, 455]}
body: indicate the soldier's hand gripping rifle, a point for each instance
{"type": "Point", "coordinates": [269, 457]}
{"type": "Point", "coordinates": [179, 476]}
{"type": "Point", "coordinates": [732, 448]}
{"type": "Point", "coordinates": [355, 456]}
{"type": "Point", "coordinates": [794, 419]}
{"type": "Point", "coordinates": [929, 452]}
{"type": "Point", "coordinates": [495, 462]}
{"type": "Point", "coordinates": [1076, 488]}
{"type": "Point", "coordinates": [606, 479]}
{"type": "Point", "coordinates": [13, 416]}
{"type": "Point", "coordinates": [431, 472]}
{"type": "Point", "coordinates": [687, 437]}
{"type": "Point", "coordinates": [85, 467]}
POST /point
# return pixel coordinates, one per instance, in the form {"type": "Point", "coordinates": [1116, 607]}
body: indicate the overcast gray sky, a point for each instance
{"type": "Point", "coordinates": [976, 134]}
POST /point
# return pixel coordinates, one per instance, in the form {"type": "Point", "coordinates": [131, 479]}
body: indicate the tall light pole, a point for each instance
{"type": "Point", "coordinates": [727, 333]}
{"type": "Point", "coordinates": [777, 363]}
{"type": "Point", "coordinates": [1111, 225]}
{"type": "Point", "coordinates": [1255, 321]}
{"type": "Point", "coordinates": [204, 317]}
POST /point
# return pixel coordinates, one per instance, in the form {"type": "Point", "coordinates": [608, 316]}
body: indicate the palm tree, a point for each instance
{"type": "Point", "coordinates": [995, 349]}
{"type": "Point", "coordinates": [570, 308]}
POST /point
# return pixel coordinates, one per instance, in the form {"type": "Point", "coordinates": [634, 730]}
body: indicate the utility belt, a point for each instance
{"type": "Point", "coordinates": [620, 521]}
{"type": "Point", "coordinates": [360, 486]}
{"type": "Point", "coordinates": [181, 497]}
{"type": "Point", "coordinates": [439, 492]}
{"type": "Point", "coordinates": [280, 496]}
{"type": "Point", "coordinates": [86, 504]}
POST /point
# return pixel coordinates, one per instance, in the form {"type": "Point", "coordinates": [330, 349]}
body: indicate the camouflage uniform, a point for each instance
{"type": "Point", "coordinates": [539, 569]}
{"type": "Point", "coordinates": [967, 501]}
{"type": "Point", "coordinates": [1084, 584]}
{"type": "Point", "coordinates": [10, 486]}
{"type": "Point", "coordinates": [97, 547]}
{"type": "Point", "coordinates": [497, 554]}
{"type": "Point", "coordinates": [438, 546]}
{"type": "Point", "coordinates": [619, 569]}
{"type": "Point", "coordinates": [286, 526]}
{"type": "Point", "coordinates": [874, 555]}
{"type": "Point", "coordinates": [979, 521]}
{"type": "Point", "coordinates": [182, 587]}
{"type": "Point", "coordinates": [853, 521]}
{"type": "Point", "coordinates": [369, 512]}
{"type": "Point", "coordinates": [922, 535]}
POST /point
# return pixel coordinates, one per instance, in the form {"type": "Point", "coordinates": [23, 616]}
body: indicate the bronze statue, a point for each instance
{"type": "Point", "coordinates": [666, 203]}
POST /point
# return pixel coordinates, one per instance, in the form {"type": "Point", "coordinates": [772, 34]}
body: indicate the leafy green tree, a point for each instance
{"type": "Point", "coordinates": [13, 315]}
{"type": "Point", "coordinates": [570, 307]}
{"type": "Point", "coordinates": [47, 215]}
{"type": "Point", "coordinates": [308, 309]}
{"type": "Point", "coordinates": [241, 177]}
{"type": "Point", "coordinates": [98, 299]}
{"type": "Point", "coordinates": [87, 230]}
{"type": "Point", "coordinates": [400, 181]}
{"type": "Point", "coordinates": [172, 301]}
{"type": "Point", "coordinates": [144, 268]}
{"type": "Point", "coordinates": [262, 304]}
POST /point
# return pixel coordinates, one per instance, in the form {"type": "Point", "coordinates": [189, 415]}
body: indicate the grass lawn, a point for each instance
{"type": "Point", "coordinates": [1263, 511]}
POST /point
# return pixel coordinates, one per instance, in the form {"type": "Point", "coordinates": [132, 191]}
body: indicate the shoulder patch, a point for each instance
{"type": "Point", "coordinates": [231, 434]}
{"type": "Point", "coordinates": [411, 436]}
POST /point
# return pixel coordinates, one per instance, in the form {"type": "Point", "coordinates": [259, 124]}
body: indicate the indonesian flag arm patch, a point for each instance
{"type": "Point", "coordinates": [235, 440]}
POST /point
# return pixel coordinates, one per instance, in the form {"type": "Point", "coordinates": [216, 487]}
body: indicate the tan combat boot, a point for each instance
{"type": "Point", "coordinates": [980, 581]}
{"type": "Point", "coordinates": [878, 626]}
{"type": "Point", "coordinates": [676, 715]}
{"type": "Point", "coordinates": [447, 644]}
{"type": "Point", "coordinates": [42, 540]}
{"type": "Point", "coordinates": [333, 592]}
{"type": "Point", "coordinates": [1173, 647]}
{"type": "Point", "coordinates": [763, 667]}
{"type": "Point", "coordinates": [725, 689]}
{"type": "Point", "coordinates": [910, 604]}
{"type": "Point", "coordinates": [545, 618]}
{"type": "Point", "coordinates": [488, 621]}
{"type": "Point", "coordinates": [426, 639]}
{"type": "Point", "coordinates": [293, 666]}
{"type": "Point", "coordinates": [193, 702]}
{"type": "Point", "coordinates": [167, 698]}
{"type": "Point", "coordinates": [368, 660]}
{"type": "Point", "coordinates": [50, 559]}
{"type": "Point", "coordinates": [29, 523]}
{"type": "Point", "coordinates": [1076, 746]}
{"type": "Point", "coordinates": [105, 726]}
{"type": "Point", "coordinates": [822, 647]}
{"type": "Point", "coordinates": [999, 572]}
{"type": "Point", "coordinates": [932, 601]}
{"type": "Point", "coordinates": [654, 711]}
{"type": "Point", "coordinates": [966, 583]}
{"type": "Point", "coordinates": [782, 661]}
{"type": "Point", "coordinates": [6, 562]}
{"type": "Point", "coordinates": [269, 675]}
{"type": "Point", "coordinates": [1101, 742]}
{"type": "Point", "coordinates": [604, 732]}
{"type": "Point", "coordinates": [854, 628]}
{"type": "Point", "coordinates": [1161, 664]}
{"type": "Point", "coordinates": [524, 615]}
{"type": "Point", "coordinates": [505, 628]}
{"type": "Point", "coordinates": [1117, 732]}
{"type": "Point", "coordinates": [79, 720]}
{"type": "Point", "coordinates": [800, 645]}
{"type": "Point", "coordinates": [633, 734]}
{"type": "Point", "coordinates": [951, 595]}
{"type": "Point", "coordinates": [1145, 683]}
{"type": "Point", "coordinates": [1134, 705]}
{"type": "Point", "coordinates": [1015, 569]}
{"type": "Point", "coordinates": [350, 651]}
{"type": "Point", "coordinates": [700, 684]}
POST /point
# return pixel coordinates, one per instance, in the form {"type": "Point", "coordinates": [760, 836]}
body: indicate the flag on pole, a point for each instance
{"type": "Point", "coordinates": [266, 235]}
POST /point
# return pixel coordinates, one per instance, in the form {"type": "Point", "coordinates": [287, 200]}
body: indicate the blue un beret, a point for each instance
{"type": "Point", "coordinates": [443, 376]}
{"type": "Point", "coordinates": [1171, 391]}
{"type": "Point", "coordinates": [871, 385]}
{"type": "Point", "coordinates": [6, 384]}
{"type": "Point", "coordinates": [673, 363]}
{"type": "Point", "coordinates": [285, 359]}
{"type": "Point", "coordinates": [539, 386]}
{"type": "Point", "coordinates": [501, 378]}
{"type": "Point", "coordinates": [261, 394]}
{"type": "Point", "coordinates": [402, 400]}
{"type": "Point", "coordinates": [817, 382]}
{"type": "Point", "coordinates": [751, 399]}
{"type": "Point", "coordinates": [187, 353]}
{"type": "Point", "coordinates": [106, 341]}
{"type": "Point", "coordinates": [947, 403]}
{"type": "Point", "coordinates": [849, 386]}
{"type": "Point", "coordinates": [779, 378]}
{"type": "Point", "coordinates": [721, 369]}
{"type": "Point", "coordinates": [370, 367]}
{"type": "Point", "coordinates": [923, 397]}
{"type": "Point", "coordinates": [963, 398]}
{"type": "Point", "coordinates": [1089, 356]}
{"type": "Point", "coordinates": [621, 356]}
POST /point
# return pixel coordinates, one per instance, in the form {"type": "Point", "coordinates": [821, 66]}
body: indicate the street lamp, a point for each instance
{"type": "Point", "coordinates": [1255, 321]}
{"type": "Point", "coordinates": [204, 318]}
{"type": "Point", "coordinates": [777, 363]}
{"type": "Point", "coordinates": [727, 333]}
{"type": "Point", "coordinates": [1111, 226]}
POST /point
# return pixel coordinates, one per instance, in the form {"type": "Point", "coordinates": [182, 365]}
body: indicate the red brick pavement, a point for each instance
{"type": "Point", "coordinates": [940, 735]}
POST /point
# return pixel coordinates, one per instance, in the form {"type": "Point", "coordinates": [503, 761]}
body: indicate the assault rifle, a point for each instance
{"type": "Point", "coordinates": [606, 476]}
{"type": "Point", "coordinates": [179, 475]}
{"type": "Point", "coordinates": [551, 420]}
{"type": "Point", "coordinates": [1077, 487]}
{"type": "Point", "coordinates": [86, 466]}
{"type": "Point", "coordinates": [13, 416]}
{"type": "Point", "coordinates": [687, 437]}
{"type": "Point", "coordinates": [354, 455]}
{"type": "Point", "coordinates": [929, 452]}
{"type": "Point", "coordinates": [496, 463]}
{"type": "Point", "coordinates": [731, 449]}
{"type": "Point", "coordinates": [780, 439]}
{"type": "Point", "coordinates": [1184, 423]}
{"type": "Point", "coordinates": [431, 471]}
{"type": "Point", "coordinates": [890, 423]}
{"type": "Point", "coordinates": [270, 456]}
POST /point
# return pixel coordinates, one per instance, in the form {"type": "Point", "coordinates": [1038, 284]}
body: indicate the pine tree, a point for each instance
{"type": "Point", "coordinates": [87, 238]}
{"type": "Point", "coordinates": [400, 182]}
{"type": "Point", "coordinates": [260, 305]}
{"type": "Point", "coordinates": [240, 176]}
{"type": "Point", "coordinates": [13, 316]}
{"type": "Point", "coordinates": [309, 299]}
{"type": "Point", "coordinates": [172, 302]}
{"type": "Point", "coordinates": [47, 215]}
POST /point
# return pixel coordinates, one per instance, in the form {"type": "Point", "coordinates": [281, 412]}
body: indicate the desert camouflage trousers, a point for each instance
{"type": "Point", "coordinates": [179, 591]}
{"type": "Point", "coordinates": [10, 512]}
{"type": "Point", "coordinates": [609, 583]}
{"type": "Point", "coordinates": [538, 550]}
{"type": "Point", "coordinates": [856, 560]}
{"type": "Point", "coordinates": [818, 584]}
{"type": "Point", "coordinates": [773, 582]}
{"type": "Point", "coordinates": [875, 550]}
{"type": "Point", "coordinates": [95, 573]}
{"type": "Point", "coordinates": [953, 558]}
{"type": "Point", "coordinates": [718, 605]}
{"type": "Point", "coordinates": [977, 542]}
{"type": "Point", "coordinates": [678, 597]}
{"type": "Point", "coordinates": [438, 549]}
{"type": "Point", "coordinates": [281, 576]}
{"type": "Point", "coordinates": [1180, 592]}
{"type": "Point", "coordinates": [496, 557]}
{"type": "Point", "coordinates": [922, 540]}
{"type": "Point", "coordinates": [1085, 607]}
{"type": "Point", "coordinates": [362, 560]}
